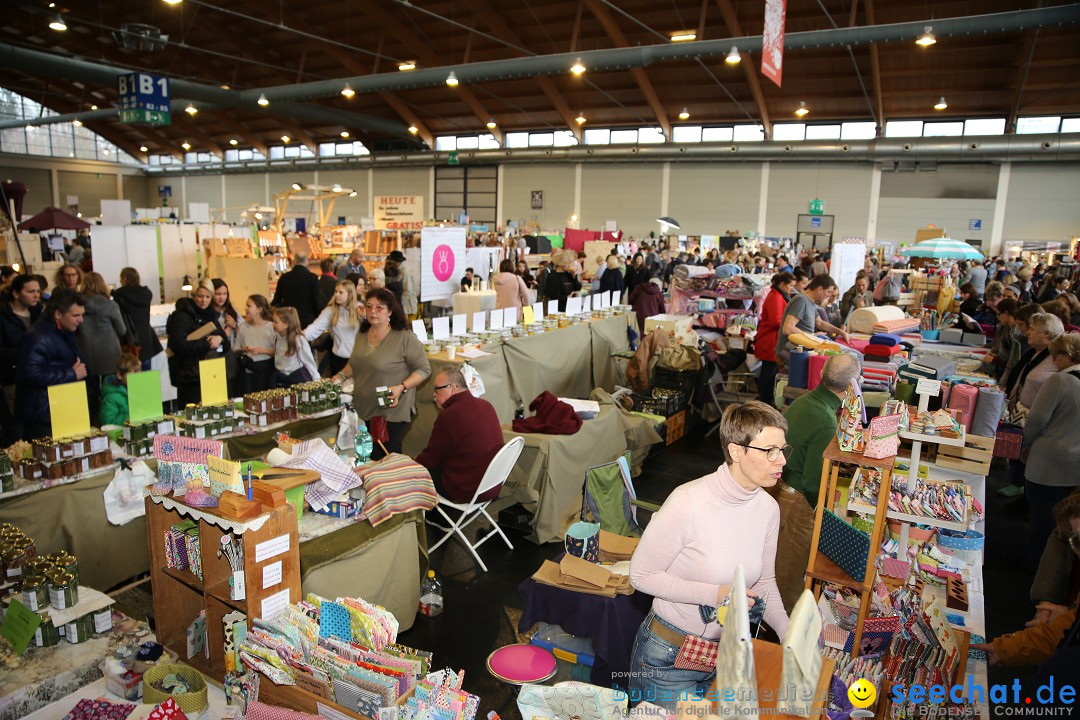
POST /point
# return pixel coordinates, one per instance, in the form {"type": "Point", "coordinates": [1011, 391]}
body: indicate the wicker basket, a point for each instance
{"type": "Point", "coordinates": [192, 703]}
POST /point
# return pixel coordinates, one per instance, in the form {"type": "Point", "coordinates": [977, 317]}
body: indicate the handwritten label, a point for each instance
{"type": "Point", "coordinates": [271, 548]}
{"type": "Point", "coordinates": [274, 605]}
{"type": "Point", "coordinates": [330, 713]}
{"type": "Point", "coordinates": [928, 387]}
{"type": "Point", "coordinates": [271, 575]}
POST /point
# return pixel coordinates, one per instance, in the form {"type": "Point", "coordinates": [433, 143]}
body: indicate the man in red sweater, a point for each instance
{"type": "Point", "coordinates": [464, 440]}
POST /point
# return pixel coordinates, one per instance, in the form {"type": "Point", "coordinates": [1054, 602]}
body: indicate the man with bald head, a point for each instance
{"type": "Point", "coordinates": [465, 438]}
{"type": "Point", "coordinates": [811, 427]}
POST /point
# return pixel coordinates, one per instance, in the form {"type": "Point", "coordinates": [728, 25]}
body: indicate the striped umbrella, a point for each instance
{"type": "Point", "coordinates": [943, 248]}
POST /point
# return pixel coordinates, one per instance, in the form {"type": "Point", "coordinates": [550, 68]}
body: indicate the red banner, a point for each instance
{"type": "Point", "coordinates": [772, 40]}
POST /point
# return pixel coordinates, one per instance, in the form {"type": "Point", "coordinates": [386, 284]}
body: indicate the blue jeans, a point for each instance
{"type": "Point", "coordinates": [653, 675]}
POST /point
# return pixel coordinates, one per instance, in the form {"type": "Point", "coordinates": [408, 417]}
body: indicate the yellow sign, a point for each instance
{"type": "Point", "coordinates": [527, 316]}
{"type": "Point", "coordinates": [224, 475]}
{"type": "Point", "coordinates": [69, 409]}
{"type": "Point", "coordinates": [212, 381]}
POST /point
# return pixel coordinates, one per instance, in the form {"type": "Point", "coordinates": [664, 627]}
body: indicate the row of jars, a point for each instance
{"type": "Point", "coordinates": [34, 469]}
{"type": "Point", "coordinates": [198, 411]}
{"type": "Point", "coordinates": [49, 450]}
{"type": "Point", "coordinates": [147, 429]}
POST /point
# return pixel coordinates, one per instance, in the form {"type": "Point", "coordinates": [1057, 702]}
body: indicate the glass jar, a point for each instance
{"type": "Point", "coordinates": [46, 634]}
{"type": "Point", "coordinates": [63, 590]}
{"type": "Point", "coordinates": [14, 561]}
{"type": "Point", "coordinates": [35, 593]}
{"type": "Point", "coordinates": [66, 562]}
{"type": "Point", "coordinates": [80, 629]}
{"type": "Point", "coordinates": [40, 566]}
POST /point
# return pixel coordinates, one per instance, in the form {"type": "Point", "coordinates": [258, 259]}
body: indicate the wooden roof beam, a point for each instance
{"type": "Point", "coordinates": [406, 112]}
{"type": "Point", "coordinates": [1027, 51]}
{"type": "Point", "coordinates": [733, 26]}
{"type": "Point", "coordinates": [614, 32]}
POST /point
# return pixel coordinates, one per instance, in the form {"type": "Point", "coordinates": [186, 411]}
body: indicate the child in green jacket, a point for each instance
{"type": "Point", "coordinates": [114, 393]}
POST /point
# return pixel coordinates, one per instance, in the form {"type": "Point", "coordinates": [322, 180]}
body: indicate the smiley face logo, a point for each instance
{"type": "Point", "coordinates": [862, 693]}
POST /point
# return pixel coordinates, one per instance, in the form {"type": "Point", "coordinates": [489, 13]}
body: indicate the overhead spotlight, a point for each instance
{"type": "Point", "coordinates": [225, 86]}
{"type": "Point", "coordinates": [927, 38]}
{"type": "Point", "coordinates": [57, 23]}
{"type": "Point", "coordinates": [347, 91]}
{"type": "Point", "coordinates": [336, 187]}
{"type": "Point", "coordinates": [491, 124]}
{"type": "Point", "coordinates": [297, 186]}
{"type": "Point", "coordinates": [143, 148]}
{"type": "Point", "coordinates": [802, 110]}
{"type": "Point", "coordinates": [413, 129]}
{"type": "Point", "coordinates": [52, 5]}
{"type": "Point", "coordinates": [173, 2]}
{"type": "Point", "coordinates": [451, 79]}
{"type": "Point", "coordinates": [263, 101]}
{"type": "Point", "coordinates": [573, 218]}
{"type": "Point", "coordinates": [683, 36]}
{"type": "Point", "coordinates": [258, 216]}
{"type": "Point", "coordinates": [191, 110]}
{"type": "Point", "coordinates": [186, 285]}
{"type": "Point", "coordinates": [77, 122]}
{"type": "Point", "coordinates": [406, 66]}
{"type": "Point", "coordinates": [353, 194]}
{"type": "Point", "coordinates": [577, 68]}
{"type": "Point", "coordinates": [941, 104]}
{"type": "Point", "coordinates": [345, 133]}
{"type": "Point", "coordinates": [186, 145]}
{"type": "Point", "coordinates": [234, 142]}
{"type": "Point", "coordinates": [580, 119]}
{"type": "Point", "coordinates": [93, 107]}
{"type": "Point", "coordinates": [733, 57]}
{"type": "Point", "coordinates": [286, 139]}
{"type": "Point", "coordinates": [685, 114]}
{"type": "Point", "coordinates": [666, 222]}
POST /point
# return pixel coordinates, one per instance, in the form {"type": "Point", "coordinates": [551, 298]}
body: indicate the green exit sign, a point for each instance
{"type": "Point", "coordinates": [453, 159]}
{"type": "Point", "coordinates": [138, 116]}
{"type": "Point", "coordinates": [817, 206]}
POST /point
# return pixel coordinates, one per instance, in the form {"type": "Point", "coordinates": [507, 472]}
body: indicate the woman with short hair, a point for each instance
{"type": "Point", "coordinates": [134, 300]}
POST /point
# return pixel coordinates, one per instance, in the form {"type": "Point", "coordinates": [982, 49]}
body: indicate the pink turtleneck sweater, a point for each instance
{"type": "Point", "coordinates": [691, 547]}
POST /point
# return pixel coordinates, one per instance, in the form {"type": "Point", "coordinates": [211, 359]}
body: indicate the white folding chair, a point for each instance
{"type": "Point", "coordinates": [497, 472]}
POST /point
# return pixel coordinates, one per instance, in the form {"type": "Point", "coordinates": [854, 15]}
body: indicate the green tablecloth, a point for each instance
{"type": "Point", "coordinates": [608, 336]}
{"type": "Point", "coordinates": [256, 445]}
{"type": "Point", "coordinates": [559, 361]}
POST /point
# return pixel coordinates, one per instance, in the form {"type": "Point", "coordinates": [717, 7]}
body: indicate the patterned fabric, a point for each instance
{"type": "Point", "coordinates": [99, 710]}
{"type": "Point", "coordinates": [396, 484]}
{"type": "Point", "coordinates": [844, 545]}
{"type": "Point", "coordinates": [259, 711]}
{"type": "Point", "coordinates": [697, 653]}
{"type": "Point", "coordinates": [336, 477]}
{"type": "Point", "coordinates": [167, 710]}
{"type": "Point", "coordinates": [334, 621]}
{"type": "Point", "coordinates": [184, 449]}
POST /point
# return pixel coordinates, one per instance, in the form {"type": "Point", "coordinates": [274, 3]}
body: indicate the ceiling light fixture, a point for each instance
{"type": "Point", "coordinates": [802, 110]}
{"type": "Point", "coordinates": [666, 222]}
{"type": "Point", "coordinates": [286, 139]}
{"type": "Point", "coordinates": [143, 148]}
{"type": "Point", "coordinates": [451, 79]}
{"type": "Point", "coordinates": [57, 23]}
{"type": "Point", "coordinates": [941, 104]}
{"type": "Point", "coordinates": [347, 91]}
{"type": "Point", "coordinates": [927, 38]}
{"type": "Point", "coordinates": [345, 133]}
{"type": "Point", "coordinates": [263, 102]}
{"type": "Point", "coordinates": [186, 145]}
{"type": "Point", "coordinates": [225, 86]}
{"type": "Point", "coordinates": [93, 107]}
{"type": "Point", "coordinates": [353, 194]}
{"type": "Point", "coordinates": [173, 2]}
{"type": "Point", "coordinates": [577, 68]}
{"type": "Point", "coordinates": [77, 122]}
{"type": "Point", "coordinates": [336, 187]}
{"type": "Point", "coordinates": [685, 114]}
{"type": "Point", "coordinates": [186, 284]}
{"type": "Point", "coordinates": [491, 124]}
{"type": "Point", "coordinates": [413, 129]}
{"type": "Point", "coordinates": [683, 36]}
{"type": "Point", "coordinates": [580, 119]}
{"type": "Point", "coordinates": [297, 186]}
{"type": "Point", "coordinates": [191, 110]}
{"type": "Point", "coordinates": [234, 142]}
{"type": "Point", "coordinates": [733, 57]}
{"type": "Point", "coordinates": [406, 66]}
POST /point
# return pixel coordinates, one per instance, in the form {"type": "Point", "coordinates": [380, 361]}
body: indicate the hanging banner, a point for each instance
{"type": "Point", "coordinates": [399, 212]}
{"type": "Point", "coordinates": [772, 40]}
{"type": "Point", "coordinates": [442, 262]}
{"type": "Point", "coordinates": [144, 99]}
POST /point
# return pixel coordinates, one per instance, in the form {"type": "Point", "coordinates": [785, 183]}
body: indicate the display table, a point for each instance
{"type": "Point", "coordinates": [611, 624]}
{"type": "Point", "coordinates": [557, 361]}
{"type": "Point", "coordinates": [46, 675]}
{"type": "Point", "coordinates": [608, 338]}
{"type": "Point", "coordinates": [215, 696]}
{"type": "Point", "coordinates": [467, 303]}
{"type": "Point", "coordinates": [383, 564]}
{"type": "Point", "coordinates": [550, 473]}
{"type": "Point", "coordinates": [254, 445]}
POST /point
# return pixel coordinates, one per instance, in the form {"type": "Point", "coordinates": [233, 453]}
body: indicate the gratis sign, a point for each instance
{"type": "Point", "coordinates": [144, 99]}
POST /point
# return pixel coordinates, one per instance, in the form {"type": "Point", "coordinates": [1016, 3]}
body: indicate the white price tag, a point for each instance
{"type": "Point", "coordinates": [330, 713]}
{"type": "Point", "coordinates": [271, 575]}
{"type": "Point", "coordinates": [420, 330]}
{"type": "Point", "coordinates": [271, 548]}
{"type": "Point", "coordinates": [459, 325]}
{"type": "Point", "coordinates": [274, 605]}
{"type": "Point", "coordinates": [928, 387]}
{"type": "Point", "coordinates": [440, 328]}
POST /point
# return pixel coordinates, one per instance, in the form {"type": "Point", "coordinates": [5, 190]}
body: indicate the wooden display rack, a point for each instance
{"type": "Point", "coordinates": [821, 569]}
{"type": "Point", "coordinates": [179, 596]}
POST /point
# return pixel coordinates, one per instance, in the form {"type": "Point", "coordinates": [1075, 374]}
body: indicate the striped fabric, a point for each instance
{"type": "Point", "coordinates": [396, 484]}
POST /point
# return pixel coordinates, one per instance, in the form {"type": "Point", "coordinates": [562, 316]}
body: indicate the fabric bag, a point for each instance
{"type": "Point", "coordinates": [570, 701]}
{"type": "Point", "coordinates": [583, 540]}
{"type": "Point", "coordinates": [124, 494]}
{"type": "Point", "coordinates": [883, 436]}
{"type": "Point", "coordinates": [1008, 441]}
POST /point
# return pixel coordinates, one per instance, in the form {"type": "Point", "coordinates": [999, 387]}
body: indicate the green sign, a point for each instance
{"type": "Point", "coordinates": [144, 395]}
{"type": "Point", "coordinates": [452, 159]}
{"type": "Point", "coordinates": [138, 116]}
{"type": "Point", "coordinates": [817, 206]}
{"type": "Point", "coordinates": [19, 626]}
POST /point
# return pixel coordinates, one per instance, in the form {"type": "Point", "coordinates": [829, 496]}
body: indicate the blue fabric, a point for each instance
{"type": "Point", "coordinates": [655, 678]}
{"type": "Point", "coordinates": [799, 369]}
{"type": "Point", "coordinates": [885, 339]}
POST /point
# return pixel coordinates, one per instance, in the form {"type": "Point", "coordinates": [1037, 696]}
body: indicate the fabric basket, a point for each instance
{"type": "Point", "coordinates": [192, 703]}
{"type": "Point", "coordinates": [970, 540]}
{"type": "Point", "coordinates": [583, 540]}
{"type": "Point", "coordinates": [1008, 440]}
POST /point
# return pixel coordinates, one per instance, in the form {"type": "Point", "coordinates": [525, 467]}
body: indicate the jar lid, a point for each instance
{"type": "Point", "coordinates": [13, 554]}
{"type": "Point", "coordinates": [33, 582]}
{"type": "Point", "coordinates": [61, 578]}
{"type": "Point", "coordinates": [62, 557]}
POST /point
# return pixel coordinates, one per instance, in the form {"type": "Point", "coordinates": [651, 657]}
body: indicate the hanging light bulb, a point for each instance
{"type": "Point", "coordinates": [186, 145]}
{"type": "Point", "coordinates": [57, 23]}
{"type": "Point", "coordinates": [345, 133]}
{"type": "Point", "coordinates": [577, 68]}
{"type": "Point", "coordinates": [263, 102]}
{"type": "Point", "coordinates": [406, 66]}
{"type": "Point", "coordinates": [941, 104]}
{"type": "Point", "coordinates": [451, 79]}
{"type": "Point", "coordinates": [927, 38]}
{"type": "Point", "coordinates": [143, 148]}
{"type": "Point", "coordinates": [191, 110]}
{"type": "Point", "coordinates": [733, 57]}
{"type": "Point", "coordinates": [685, 114]}
{"type": "Point", "coordinates": [286, 139]}
{"type": "Point", "coordinates": [580, 119]}
{"type": "Point", "coordinates": [413, 129]}
{"type": "Point", "coordinates": [77, 122]}
{"type": "Point", "coordinates": [93, 107]}
{"type": "Point", "coordinates": [234, 142]}
{"type": "Point", "coordinates": [802, 110]}
{"type": "Point", "coordinates": [491, 124]}
{"type": "Point", "coordinates": [347, 91]}
{"type": "Point", "coordinates": [186, 285]}
{"type": "Point", "coordinates": [297, 186]}
{"type": "Point", "coordinates": [173, 2]}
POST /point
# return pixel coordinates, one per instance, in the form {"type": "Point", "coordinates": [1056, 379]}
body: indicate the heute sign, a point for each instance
{"type": "Point", "coordinates": [399, 212]}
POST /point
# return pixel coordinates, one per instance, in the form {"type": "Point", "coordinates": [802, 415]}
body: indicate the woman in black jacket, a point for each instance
{"type": "Point", "coordinates": [561, 282]}
{"type": "Point", "coordinates": [134, 300]}
{"type": "Point", "coordinates": [636, 273]}
{"type": "Point", "coordinates": [190, 315]}
{"type": "Point", "coordinates": [22, 309]}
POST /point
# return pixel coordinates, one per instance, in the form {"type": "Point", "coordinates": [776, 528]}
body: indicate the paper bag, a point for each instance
{"type": "Point", "coordinates": [802, 658]}
{"type": "Point", "coordinates": [735, 656]}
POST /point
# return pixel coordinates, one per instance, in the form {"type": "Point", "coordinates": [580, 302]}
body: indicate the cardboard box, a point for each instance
{"type": "Point", "coordinates": [678, 328]}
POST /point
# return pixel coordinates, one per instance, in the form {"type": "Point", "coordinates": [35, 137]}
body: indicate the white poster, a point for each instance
{"type": "Point", "coordinates": [848, 259]}
{"type": "Point", "coordinates": [198, 212]}
{"type": "Point", "coordinates": [115, 212]}
{"type": "Point", "coordinates": [399, 212]}
{"type": "Point", "coordinates": [442, 252]}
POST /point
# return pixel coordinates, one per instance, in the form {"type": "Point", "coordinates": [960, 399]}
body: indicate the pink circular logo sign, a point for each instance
{"type": "Point", "coordinates": [442, 264]}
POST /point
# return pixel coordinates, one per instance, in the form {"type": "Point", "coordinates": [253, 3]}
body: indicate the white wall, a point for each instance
{"type": "Point", "coordinates": [899, 218]}
{"type": "Point", "coordinates": [626, 192]}
{"type": "Point", "coordinates": [1043, 202]}
{"type": "Point", "coordinates": [845, 188]}
{"type": "Point", "coordinates": [711, 198]}
{"type": "Point", "coordinates": [557, 182]}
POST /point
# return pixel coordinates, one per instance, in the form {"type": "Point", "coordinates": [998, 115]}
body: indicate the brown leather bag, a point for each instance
{"type": "Point", "coordinates": [638, 369]}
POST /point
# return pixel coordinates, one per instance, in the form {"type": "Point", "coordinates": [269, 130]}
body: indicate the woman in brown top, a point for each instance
{"type": "Point", "coordinates": [386, 354]}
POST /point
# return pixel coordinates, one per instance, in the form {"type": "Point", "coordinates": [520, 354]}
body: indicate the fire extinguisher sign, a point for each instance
{"type": "Point", "coordinates": [442, 260]}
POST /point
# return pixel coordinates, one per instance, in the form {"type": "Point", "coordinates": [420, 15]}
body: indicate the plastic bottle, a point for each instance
{"type": "Point", "coordinates": [431, 595]}
{"type": "Point", "coordinates": [363, 443]}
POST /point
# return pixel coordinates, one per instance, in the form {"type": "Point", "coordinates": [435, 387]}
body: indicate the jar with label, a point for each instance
{"type": "Point", "coordinates": [46, 634]}
{"type": "Point", "coordinates": [63, 590]}
{"type": "Point", "coordinates": [14, 560]}
{"type": "Point", "coordinates": [103, 622]}
{"type": "Point", "coordinates": [80, 629]}
{"type": "Point", "coordinates": [66, 561]}
{"type": "Point", "coordinates": [35, 593]}
{"type": "Point", "coordinates": [40, 566]}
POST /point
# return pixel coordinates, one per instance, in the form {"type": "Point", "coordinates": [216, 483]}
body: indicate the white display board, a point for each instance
{"type": "Point", "coordinates": [442, 254]}
{"type": "Point", "coordinates": [482, 260]}
{"type": "Point", "coordinates": [115, 212]}
{"type": "Point", "coordinates": [198, 212]}
{"type": "Point", "coordinates": [847, 260]}
{"type": "Point", "coordinates": [399, 212]}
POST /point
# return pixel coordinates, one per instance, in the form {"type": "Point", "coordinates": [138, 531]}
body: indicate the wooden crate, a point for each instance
{"type": "Point", "coordinates": [974, 457]}
{"type": "Point", "coordinates": [676, 427]}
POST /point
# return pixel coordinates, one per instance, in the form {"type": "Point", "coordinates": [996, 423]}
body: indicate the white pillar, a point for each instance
{"type": "Point", "coordinates": [431, 194]}
{"type": "Point", "coordinates": [763, 198]}
{"type": "Point", "coordinates": [224, 200]}
{"type": "Point", "coordinates": [577, 193]}
{"type": "Point", "coordinates": [998, 230]}
{"type": "Point", "coordinates": [875, 197]}
{"type": "Point", "coordinates": [119, 186]}
{"type": "Point", "coordinates": [371, 192]}
{"type": "Point", "coordinates": [54, 178]}
{"type": "Point", "coordinates": [665, 189]}
{"type": "Point", "coordinates": [181, 212]}
{"type": "Point", "coordinates": [500, 176]}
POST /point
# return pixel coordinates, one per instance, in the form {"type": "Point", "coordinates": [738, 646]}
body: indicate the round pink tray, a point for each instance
{"type": "Point", "coordinates": [522, 663]}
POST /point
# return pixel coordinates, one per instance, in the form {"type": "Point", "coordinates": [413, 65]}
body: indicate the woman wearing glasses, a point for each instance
{"type": "Point", "coordinates": [386, 354]}
{"type": "Point", "coordinates": [689, 551]}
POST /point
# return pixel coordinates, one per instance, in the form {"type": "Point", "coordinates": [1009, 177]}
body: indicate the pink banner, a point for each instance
{"type": "Point", "coordinates": [772, 40]}
{"type": "Point", "coordinates": [575, 239]}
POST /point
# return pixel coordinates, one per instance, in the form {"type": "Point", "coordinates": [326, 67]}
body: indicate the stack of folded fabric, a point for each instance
{"type": "Point", "coordinates": [883, 346]}
{"type": "Point", "coordinates": [932, 367]}
{"type": "Point", "coordinates": [900, 325]}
